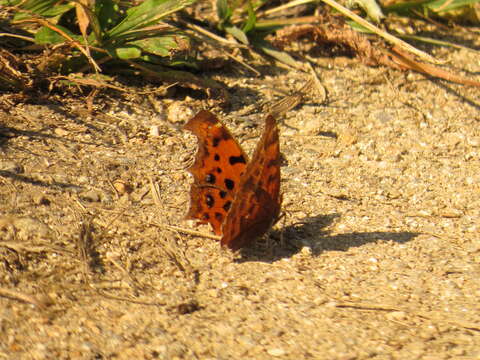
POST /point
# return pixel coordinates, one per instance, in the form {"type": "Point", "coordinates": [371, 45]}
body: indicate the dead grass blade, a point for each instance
{"type": "Point", "coordinates": [132, 301]}
{"type": "Point", "coordinates": [425, 315]}
{"type": "Point", "coordinates": [187, 231]}
{"type": "Point", "coordinates": [409, 62]}
{"type": "Point", "coordinates": [432, 41]}
{"type": "Point", "coordinates": [10, 75]}
{"type": "Point", "coordinates": [287, 103]}
{"type": "Point", "coordinates": [332, 31]}
{"type": "Point", "coordinates": [131, 281]}
{"type": "Point", "coordinates": [290, 101]}
{"type": "Point", "coordinates": [320, 87]}
{"type": "Point", "coordinates": [82, 16]}
{"type": "Point", "coordinates": [12, 294]}
{"type": "Point", "coordinates": [335, 32]}
{"type": "Point", "coordinates": [86, 248]}
{"type": "Point", "coordinates": [388, 37]}
{"type": "Point", "coordinates": [84, 50]}
{"type": "Point", "coordinates": [94, 80]}
{"type": "Point", "coordinates": [155, 191]}
{"type": "Point", "coordinates": [34, 248]}
{"type": "Point", "coordinates": [212, 88]}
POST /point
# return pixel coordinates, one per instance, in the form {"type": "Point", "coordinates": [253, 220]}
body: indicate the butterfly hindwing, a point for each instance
{"type": "Point", "coordinates": [240, 199]}
{"type": "Point", "coordinates": [257, 202]}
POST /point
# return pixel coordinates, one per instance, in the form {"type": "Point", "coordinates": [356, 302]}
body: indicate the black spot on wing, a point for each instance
{"type": "Point", "coordinates": [227, 206]}
{"type": "Point", "coordinates": [210, 201]}
{"type": "Point", "coordinates": [229, 184]}
{"type": "Point", "coordinates": [210, 178]}
{"type": "Point", "coordinates": [237, 160]}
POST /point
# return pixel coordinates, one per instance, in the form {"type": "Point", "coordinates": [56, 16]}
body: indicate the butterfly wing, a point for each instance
{"type": "Point", "coordinates": [218, 167]}
{"type": "Point", "coordinates": [257, 201]}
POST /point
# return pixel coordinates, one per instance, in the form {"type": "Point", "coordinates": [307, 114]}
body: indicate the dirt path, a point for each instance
{"type": "Point", "coordinates": [380, 255]}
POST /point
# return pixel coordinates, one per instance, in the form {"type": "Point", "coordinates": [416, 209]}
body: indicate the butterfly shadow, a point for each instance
{"type": "Point", "coordinates": [311, 233]}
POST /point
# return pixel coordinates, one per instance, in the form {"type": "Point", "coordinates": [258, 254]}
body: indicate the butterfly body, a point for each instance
{"type": "Point", "coordinates": [239, 198]}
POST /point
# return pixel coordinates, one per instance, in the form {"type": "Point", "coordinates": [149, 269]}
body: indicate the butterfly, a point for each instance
{"type": "Point", "coordinates": [240, 198]}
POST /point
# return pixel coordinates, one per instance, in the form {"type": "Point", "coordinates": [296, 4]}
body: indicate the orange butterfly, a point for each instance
{"type": "Point", "coordinates": [241, 199]}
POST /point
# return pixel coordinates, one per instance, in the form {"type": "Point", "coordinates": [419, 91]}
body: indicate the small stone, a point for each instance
{"type": "Point", "coordinates": [474, 141]}
{"type": "Point", "coordinates": [424, 213]}
{"type": "Point", "coordinates": [92, 196]}
{"type": "Point", "coordinates": [396, 316]}
{"type": "Point", "coordinates": [306, 251]}
{"type": "Point", "coordinates": [82, 179]}
{"type": "Point", "coordinates": [347, 138]}
{"type": "Point", "coordinates": [453, 139]}
{"type": "Point", "coordinates": [276, 352]}
{"type": "Point", "coordinates": [11, 166]}
{"type": "Point", "coordinates": [154, 130]}
{"type": "Point", "coordinates": [178, 112]}
{"type": "Point", "coordinates": [25, 227]}
{"type": "Point", "coordinates": [122, 187]}
{"type": "Point", "coordinates": [451, 213]}
{"type": "Point", "coordinates": [311, 126]}
{"type": "Point", "coordinates": [40, 199]}
{"type": "Point", "coordinates": [61, 132]}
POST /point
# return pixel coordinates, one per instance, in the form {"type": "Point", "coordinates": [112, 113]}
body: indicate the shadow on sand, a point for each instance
{"type": "Point", "coordinates": [310, 232]}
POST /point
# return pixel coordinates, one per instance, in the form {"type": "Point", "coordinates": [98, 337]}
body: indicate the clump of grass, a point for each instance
{"type": "Point", "coordinates": [459, 10]}
{"type": "Point", "coordinates": [104, 36]}
{"type": "Point", "coordinates": [105, 32]}
{"type": "Point", "coordinates": [151, 39]}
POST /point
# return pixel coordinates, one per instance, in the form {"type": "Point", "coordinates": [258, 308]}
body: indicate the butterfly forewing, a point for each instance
{"type": "Point", "coordinates": [257, 201]}
{"type": "Point", "coordinates": [218, 167]}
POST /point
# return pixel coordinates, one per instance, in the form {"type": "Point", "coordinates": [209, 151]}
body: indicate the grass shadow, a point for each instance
{"type": "Point", "coordinates": [28, 180]}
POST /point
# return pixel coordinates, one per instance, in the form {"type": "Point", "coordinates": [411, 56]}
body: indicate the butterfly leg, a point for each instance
{"type": "Point", "coordinates": [283, 215]}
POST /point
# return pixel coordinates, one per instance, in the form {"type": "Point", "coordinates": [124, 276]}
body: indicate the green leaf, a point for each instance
{"type": "Point", "coordinates": [281, 56]}
{"type": "Point", "coordinates": [373, 10]}
{"type": "Point", "coordinates": [442, 6]}
{"type": "Point", "coordinates": [47, 36]}
{"type": "Point", "coordinates": [147, 14]}
{"type": "Point", "coordinates": [237, 34]}
{"type": "Point", "coordinates": [128, 52]}
{"type": "Point", "coordinates": [433, 5]}
{"type": "Point", "coordinates": [176, 61]}
{"type": "Point", "coordinates": [47, 8]}
{"type": "Point", "coordinates": [108, 13]}
{"type": "Point", "coordinates": [251, 20]}
{"type": "Point", "coordinates": [162, 45]}
{"type": "Point", "coordinates": [224, 11]}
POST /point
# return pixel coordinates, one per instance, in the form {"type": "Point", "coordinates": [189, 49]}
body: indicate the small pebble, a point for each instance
{"type": "Point", "coordinates": [12, 167]}
{"type": "Point", "coordinates": [276, 352]}
{"type": "Point", "coordinates": [40, 199]}
{"type": "Point", "coordinates": [396, 316]}
{"type": "Point", "coordinates": [61, 132]}
{"type": "Point", "coordinates": [92, 195]}
{"type": "Point", "coordinates": [178, 112]}
{"type": "Point", "coordinates": [122, 187]}
{"type": "Point", "coordinates": [154, 130]}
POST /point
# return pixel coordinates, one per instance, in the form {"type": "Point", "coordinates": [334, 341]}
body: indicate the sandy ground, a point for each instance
{"type": "Point", "coordinates": [377, 257]}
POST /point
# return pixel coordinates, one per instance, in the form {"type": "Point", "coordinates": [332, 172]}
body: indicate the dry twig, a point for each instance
{"type": "Point", "coordinates": [12, 294]}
